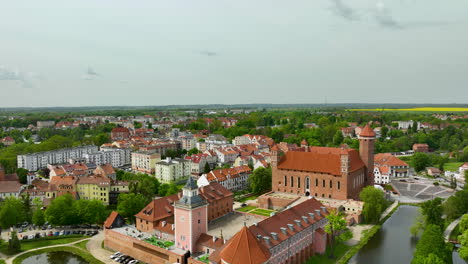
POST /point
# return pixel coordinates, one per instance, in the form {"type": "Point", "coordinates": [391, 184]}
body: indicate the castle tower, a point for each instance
{"type": "Point", "coordinates": [366, 151]}
{"type": "Point", "coordinates": [190, 217]}
{"type": "Point", "coordinates": [275, 156]}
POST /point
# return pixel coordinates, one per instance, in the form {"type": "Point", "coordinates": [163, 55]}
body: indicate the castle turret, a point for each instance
{"type": "Point", "coordinates": [366, 151]}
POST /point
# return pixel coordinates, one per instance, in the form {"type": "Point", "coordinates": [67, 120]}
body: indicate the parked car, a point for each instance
{"type": "Point", "coordinates": [31, 237]}
{"type": "Point", "coordinates": [57, 233]}
{"type": "Point", "coordinates": [133, 261]}
{"type": "Point", "coordinates": [38, 235]}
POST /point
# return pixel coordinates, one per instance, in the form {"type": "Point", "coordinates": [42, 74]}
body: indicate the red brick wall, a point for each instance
{"type": "Point", "coordinates": [220, 207]}
{"type": "Point", "coordinates": [366, 151]}
{"type": "Point", "coordinates": [269, 202]}
{"type": "Point", "coordinates": [139, 250]}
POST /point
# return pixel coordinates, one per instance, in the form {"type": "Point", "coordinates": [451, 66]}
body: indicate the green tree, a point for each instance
{"type": "Point", "coordinates": [22, 175]}
{"type": "Point", "coordinates": [338, 138]}
{"type": "Point", "coordinates": [456, 205]}
{"type": "Point", "coordinates": [207, 168]}
{"type": "Point", "coordinates": [11, 212]}
{"type": "Point", "coordinates": [432, 242]}
{"type": "Point", "coordinates": [100, 139]}
{"type": "Point", "coordinates": [463, 238]}
{"type": "Point", "coordinates": [433, 211]}
{"type": "Point", "coordinates": [260, 180]}
{"type": "Point", "coordinates": [14, 245]}
{"type": "Point", "coordinates": [374, 203]}
{"type": "Point", "coordinates": [337, 230]}
{"type": "Point", "coordinates": [90, 211]}
{"type": "Point", "coordinates": [418, 225]}
{"type": "Point", "coordinates": [421, 161]}
{"type": "Point", "coordinates": [130, 204]}
{"type": "Point", "coordinates": [61, 211]}
{"type": "Point", "coordinates": [38, 217]}
{"type": "Point", "coordinates": [430, 259]}
{"type": "Point", "coordinates": [193, 151]}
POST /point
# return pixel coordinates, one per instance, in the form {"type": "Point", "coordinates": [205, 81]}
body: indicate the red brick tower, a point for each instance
{"type": "Point", "coordinates": [366, 151]}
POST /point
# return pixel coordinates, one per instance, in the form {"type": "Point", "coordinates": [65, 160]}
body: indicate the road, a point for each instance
{"type": "Point", "coordinates": [450, 228]}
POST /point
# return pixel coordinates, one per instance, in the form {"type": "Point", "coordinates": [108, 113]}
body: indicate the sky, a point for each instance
{"type": "Point", "coordinates": [115, 52]}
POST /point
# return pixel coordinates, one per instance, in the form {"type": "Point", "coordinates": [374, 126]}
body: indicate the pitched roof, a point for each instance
{"type": "Point", "coordinates": [222, 174]}
{"type": "Point", "coordinates": [206, 240]}
{"type": "Point", "coordinates": [320, 159]}
{"type": "Point", "coordinates": [367, 132]}
{"type": "Point", "coordinates": [110, 220]}
{"type": "Point", "coordinates": [244, 248]}
{"type": "Point", "coordinates": [10, 187]}
{"type": "Point", "coordinates": [388, 160]}
{"type": "Point", "coordinates": [159, 208]}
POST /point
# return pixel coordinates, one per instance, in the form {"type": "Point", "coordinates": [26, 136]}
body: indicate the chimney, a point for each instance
{"type": "Point", "coordinates": [267, 240]}
{"type": "Point", "coordinates": [312, 215]}
{"type": "Point", "coordinates": [163, 223]}
{"type": "Point", "coordinates": [291, 227]}
{"type": "Point", "coordinates": [324, 209]}
{"type": "Point", "coordinates": [317, 211]}
{"type": "Point", "coordinates": [304, 218]}
{"type": "Point", "coordinates": [173, 227]}
{"type": "Point", "coordinates": [298, 223]}
{"type": "Point", "coordinates": [214, 238]}
{"type": "Point", "coordinates": [274, 235]}
{"type": "Point", "coordinates": [284, 230]}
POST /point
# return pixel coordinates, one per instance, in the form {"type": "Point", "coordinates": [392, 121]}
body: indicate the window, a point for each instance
{"type": "Point", "coordinates": [331, 184]}
{"type": "Point", "coordinates": [292, 181]}
{"type": "Point", "coordinates": [339, 185]}
{"type": "Point", "coordinates": [316, 182]}
{"type": "Point", "coordinates": [298, 182]}
{"type": "Point", "coordinates": [285, 181]}
{"type": "Point", "coordinates": [323, 183]}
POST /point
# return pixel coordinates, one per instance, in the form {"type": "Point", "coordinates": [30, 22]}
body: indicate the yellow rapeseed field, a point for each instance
{"type": "Point", "coordinates": [418, 109]}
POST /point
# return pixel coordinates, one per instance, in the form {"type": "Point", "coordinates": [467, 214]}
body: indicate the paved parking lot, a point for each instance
{"type": "Point", "coordinates": [420, 190]}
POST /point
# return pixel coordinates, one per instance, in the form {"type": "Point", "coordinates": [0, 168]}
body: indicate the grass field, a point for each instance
{"type": "Point", "coordinates": [263, 212]}
{"type": "Point", "coordinates": [417, 109]}
{"type": "Point", "coordinates": [246, 209]}
{"type": "Point", "coordinates": [452, 166]}
{"type": "Point", "coordinates": [27, 245]}
{"type": "Point", "coordinates": [82, 244]}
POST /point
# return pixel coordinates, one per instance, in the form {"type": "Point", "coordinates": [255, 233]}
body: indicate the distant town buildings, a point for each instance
{"type": "Point", "coordinates": [145, 161]}
{"type": "Point", "coordinates": [45, 124]}
{"type": "Point", "coordinates": [421, 148]}
{"type": "Point", "coordinates": [233, 179]}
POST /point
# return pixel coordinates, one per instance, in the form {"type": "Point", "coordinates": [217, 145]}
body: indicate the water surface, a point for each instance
{"type": "Point", "coordinates": [60, 257]}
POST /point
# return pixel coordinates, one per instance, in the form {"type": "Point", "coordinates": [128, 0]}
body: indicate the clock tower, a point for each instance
{"type": "Point", "coordinates": [190, 217]}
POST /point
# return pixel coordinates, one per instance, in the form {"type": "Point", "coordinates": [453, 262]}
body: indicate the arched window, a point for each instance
{"type": "Point", "coordinates": [316, 182]}
{"type": "Point", "coordinates": [292, 181]}
{"type": "Point", "coordinates": [307, 183]}
{"type": "Point", "coordinates": [339, 185]}
{"type": "Point", "coordinates": [298, 182]}
{"type": "Point", "coordinates": [331, 184]}
{"type": "Point", "coordinates": [323, 183]}
{"type": "Point", "coordinates": [285, 181]}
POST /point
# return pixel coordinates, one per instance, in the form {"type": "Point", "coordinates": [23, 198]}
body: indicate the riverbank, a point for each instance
{"type": "Point", "coordinates": [368, 234]}
{"type": "Point", "coordinates": [71, 249]}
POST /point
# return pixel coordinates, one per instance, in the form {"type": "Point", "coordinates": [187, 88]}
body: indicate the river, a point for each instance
{"type": "Point", "coordinates": [59, 257]}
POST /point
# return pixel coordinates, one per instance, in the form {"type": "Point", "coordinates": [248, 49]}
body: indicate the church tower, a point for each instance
{"type": "Point", "coordinates": [190, 217]}
{"type": "Point", "coordinates": [366, 151]}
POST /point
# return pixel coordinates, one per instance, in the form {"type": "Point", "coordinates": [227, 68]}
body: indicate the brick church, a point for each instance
{"type": "Point", "coordinates": [325, 172]}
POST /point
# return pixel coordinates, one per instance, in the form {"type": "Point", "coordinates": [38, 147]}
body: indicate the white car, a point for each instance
{"type": "Point", "coordinates": [31, 237]}
{"type": "Point", "coordinates": [133, 261]}
{"type": "Point", "coordinates": [116, 255]}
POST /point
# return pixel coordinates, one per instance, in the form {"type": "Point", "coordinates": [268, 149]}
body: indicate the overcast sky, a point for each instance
{"type": "Point", "coordinates": [112, 52]}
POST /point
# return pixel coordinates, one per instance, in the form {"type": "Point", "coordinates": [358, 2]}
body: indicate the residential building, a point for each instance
{"type": "Point", "coordinates": [337, 173]}
{"type": "Point", "coordinates": [421, 148]}
{"type": "Point", "coordinates": [170, 170]}
{"type": "Point", "coordinates": [405, 125]}
{"type": "Point", "coordinates": [40, 160]}
{"type": "Point", "coordinates": [233, 179]}
{"type": "Point", "coordinates": [7, 141]}
{"type": "Point", "coordinates": [434, 172]}
{"type": "Point", "coordinates": [387, 166]}
{"type": "Point", "coordinates": [45, 124]}
{"type": "Point", "coordinates": [9, 184]}
{"type": "Point", "coordinates": [226, 155]}
{"type": "Point", "coordinates": [197, 163]}
{"type": "Point", "coordinates": [94, 188]}
{"type": "Point", "coordinates": [120, 133]}
{"type": "Point", "coordinates": [463, 168]}
{"type": "Point", "coordinates": [145, 161]}
{"type": "Point", "coordinates": [105, 170]}
{"type": "Point", "coordinates": [115, 156]}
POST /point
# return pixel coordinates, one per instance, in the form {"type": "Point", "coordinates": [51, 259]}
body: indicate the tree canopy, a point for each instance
{"type": "Point", "coordinates": [374, 204]}
{"type": "Point", "coordinates": [260, 180]}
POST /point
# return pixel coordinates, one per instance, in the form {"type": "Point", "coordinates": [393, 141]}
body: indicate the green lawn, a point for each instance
{"type": "Point", "coordinates": [248, 198]}
{"type": "Point", "coordinates": [159, 242]}
{"type": "Point", "coordinates": [43, 242]}
{"type": "Point", "coordinates": [82, 244]}
{"type": "Point", "coordinates": [246, 209]}
{"type": "Point", "coordinates": [339, 251]}
{"type": "Point", "coordinates": [204, 258]}
{"type": "Point", "coordinates": [263, 212]}
{"type": "Point", "coordinates": [77, 251]}
{"type": "Point", "coordinates": [452, 166]}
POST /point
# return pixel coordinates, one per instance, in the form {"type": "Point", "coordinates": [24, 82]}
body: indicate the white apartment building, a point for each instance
{"type": "Point", "coordinates": [115, 157]}
{"type": "Point", "coordinates": [407, 124]}
{"type": "Point", "coordinates": [125, 154]}
{"type": "Point", "coordinates": [39, 160]}
{"type": "Point", "coordinates": [145, 161]}
{"type": "Point", "coordinates": [170, 170]}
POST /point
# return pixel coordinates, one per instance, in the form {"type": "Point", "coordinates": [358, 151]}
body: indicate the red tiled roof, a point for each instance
{"type": "Point", "coordinates": [206, 240]}
{"type": "Point", "coordinates": [388, 160]}
{"type": "Point", "coordinates": [244, 248]}
{"type": "Point", "coordinates": [222, 174]}
{"type": "Point", "coordinates": [159, 208]}
{"type": "Point", "coordinates": [110, 220]}
{"type": "Point", "coordinates": [367, 132]}
{"type": "Point", "coordinates": [320, 159]}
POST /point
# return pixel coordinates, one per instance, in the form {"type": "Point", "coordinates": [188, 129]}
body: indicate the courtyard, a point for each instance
{"type": "Point", "coordinates": [414, 191]}
{"type": "Point", "coordinates": [230, 224]}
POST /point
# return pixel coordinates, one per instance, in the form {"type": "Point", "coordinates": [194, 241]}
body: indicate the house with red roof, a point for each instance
{"type": "Point", "coordinates": [387, 166]}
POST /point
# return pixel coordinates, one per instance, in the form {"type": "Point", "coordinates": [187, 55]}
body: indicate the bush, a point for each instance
{"type": "Point", "coordinates": [436, 183]}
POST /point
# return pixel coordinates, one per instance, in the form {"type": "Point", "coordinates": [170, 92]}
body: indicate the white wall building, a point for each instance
{"type": "Point", "coordinates": [170, 170]}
